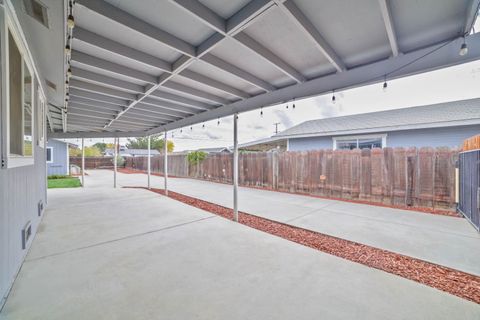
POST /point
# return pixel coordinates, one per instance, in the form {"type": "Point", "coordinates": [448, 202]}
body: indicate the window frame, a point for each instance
{"type": "Point", "coordinates": [382, 136]}
{"type": "Point", "coordinates": [14, 160]}
{"type": "Point", "coordinates": [51, 154]}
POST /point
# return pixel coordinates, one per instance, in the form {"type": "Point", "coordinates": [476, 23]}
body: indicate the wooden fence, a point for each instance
{"type": "Point", "coordinates": [398, 176]}
{"type": "Point", "coordinates": [93, 162]}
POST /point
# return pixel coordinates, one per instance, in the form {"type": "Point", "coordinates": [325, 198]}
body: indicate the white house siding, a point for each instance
{"type": "Point", "coordinates": [60, 158]}
{"type": "Point", "coordinates": [21, 189]}
{"type": "Point", "coordinates": [436, 137]}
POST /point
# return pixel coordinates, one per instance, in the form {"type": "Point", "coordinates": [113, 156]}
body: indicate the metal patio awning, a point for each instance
{"type": "Point", "coordinates": [144, 67]}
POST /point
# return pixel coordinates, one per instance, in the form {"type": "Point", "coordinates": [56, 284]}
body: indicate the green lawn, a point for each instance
{"type": "Point", "coordinates": [71, 182]}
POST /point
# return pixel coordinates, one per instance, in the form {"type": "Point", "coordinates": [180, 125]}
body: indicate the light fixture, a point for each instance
{"type": "Point", "coordinates": [464, 48]}
{"type": "Point", "coordinates": [70, 21]}
{"type": "Point", "coordinates": [203, 126]}
{"type": "Point", "coordinates": [69, 72]}
{"type": "Point", "coordinates": [261, 112]}
{"type": "Point", "coordinates": [191, 128]}
{"type": "Point", "coordinates": [68, 50]}
{"type": "Point", "coordinates": [218, 121]}
{"type": "Point", "coordinates": [333, 96]}
{"type": "Point", "coordinates": [286, 106]}
{"type": "Point", "coordinates": [293, 106]}
{"type": "Point", "coordinates": [385, 85]}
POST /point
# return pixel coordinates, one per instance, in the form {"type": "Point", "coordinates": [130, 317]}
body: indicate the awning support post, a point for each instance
{"type": "Point", "coordinates": [83, 162]}
{"type": "Point", "coordinates": [235, 167]}
{"type": "Point", "coordinates": [165, 163]}
{"type": "Point", "coordinates": [149, 163]}
{"type": "Point", "coordinates": [115, 154]}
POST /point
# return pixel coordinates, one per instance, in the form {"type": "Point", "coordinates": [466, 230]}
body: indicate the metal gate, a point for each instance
{"type": "Point", "coordinates": [469, 167]}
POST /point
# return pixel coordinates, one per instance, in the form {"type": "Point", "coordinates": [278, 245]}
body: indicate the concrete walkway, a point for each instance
{"type": "Point", "coordinates": [104, 253]}
{"type": "Point", "coordinates": [443, 240]}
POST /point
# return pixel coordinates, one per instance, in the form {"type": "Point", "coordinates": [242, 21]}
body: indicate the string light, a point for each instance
{"type": "Point", "coordinates": [68, 49]}
{"type": "Point", "coordinates": [69, 72]}
{"type": "Point", "coordinates": [293, 106]}
{"type": "Point", "coordinates": [333, 96]}
{"type": "Point", "coordinates": [463, 48]}
{"type": "Point", "coordinates": [70, 19]}
{"type": "Point", "coordinates": [286, 106]}
{"type": "Point", "coordinates": [191, 128]}
{"type": "Point", "coordinates": [203, 126]}
{"type": "Point", "coordinates": [261, 112]}
{"type": "Point", "coordinates": [385, 85]}
{"type": "Point", "coordinates": [218, 121]}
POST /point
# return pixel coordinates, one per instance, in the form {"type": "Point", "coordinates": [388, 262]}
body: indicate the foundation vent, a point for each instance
{"type": "Point", "coordinates": [26, 234]}
{"type": "Point", "coordinates": [40, 208]}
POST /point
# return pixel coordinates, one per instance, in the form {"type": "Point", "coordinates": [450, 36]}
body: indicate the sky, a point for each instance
{"type": "Point", "coordinates": [454, 83]}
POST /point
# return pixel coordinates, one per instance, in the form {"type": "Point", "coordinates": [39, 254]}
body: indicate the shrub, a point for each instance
{"type": "Point", "coordinates": [58, 176]}
{"type": "Point", "coordinates": [196, 157]}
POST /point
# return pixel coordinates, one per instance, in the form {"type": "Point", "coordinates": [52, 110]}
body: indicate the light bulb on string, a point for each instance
{"type": "Point", "coordinates": [218, 121]}
{"type": "Point", "coordinates": [293, 106]}
{"type": "Point", "coordinates": [203, 126]}
{"type": "Point", "coordinates": [261, 112]}
{"type": "Point", "coordinates": [333, 97]}
{"type": "Point", "coordinates": [385, 85]}
{"type": "Point", "coordinates": [463, 48]}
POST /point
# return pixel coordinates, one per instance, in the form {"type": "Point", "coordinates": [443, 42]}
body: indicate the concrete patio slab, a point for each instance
{"type": "Point", "coordinates": [173, 261]}
{"type": "Point", "coordinates": [443, 240]}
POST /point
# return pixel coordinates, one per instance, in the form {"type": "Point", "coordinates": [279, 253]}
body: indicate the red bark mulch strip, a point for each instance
{"type": "Point", "coordinates": [441, 212]}
{"type": "Point", "coordinates": [458, 283]}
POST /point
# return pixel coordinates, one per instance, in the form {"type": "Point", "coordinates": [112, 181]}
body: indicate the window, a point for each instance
{"type": "Point", "coordinates": [20, 105]}
{"type": "Point", "coordinates": [49, 154]}
{"type": "Point", "coordinates": [40, 118]}
{"type": "Point", "coordinates": [360, 142]}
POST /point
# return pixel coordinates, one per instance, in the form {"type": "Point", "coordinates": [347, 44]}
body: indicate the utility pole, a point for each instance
{"type": "Point", "coordinates": [276, 127]}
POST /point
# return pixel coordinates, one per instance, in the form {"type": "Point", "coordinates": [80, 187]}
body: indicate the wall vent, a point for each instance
{"type": "Point", "coordinates": [40, 208]}
{"type": "Point", "coordinates": [37, 11]}
{"type": "Point", "coordinates": [26, 234]}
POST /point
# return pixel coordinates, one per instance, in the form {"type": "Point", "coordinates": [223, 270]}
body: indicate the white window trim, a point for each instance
{"type": "Point", "coordinates": [51, 153]}
{"type": "Point", "coordinates": [13, 159]}
{"type": "Point", "coordinates": [42, 114]}
{"type": "Point", "coordinates": [382, 136]}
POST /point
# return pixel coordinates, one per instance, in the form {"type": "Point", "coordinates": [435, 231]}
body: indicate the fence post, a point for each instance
{"type": "Point", "coordinates": [235, 167]}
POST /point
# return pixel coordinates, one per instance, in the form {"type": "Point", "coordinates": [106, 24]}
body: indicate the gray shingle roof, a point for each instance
{"type": "Point", "coordinates": [455, 113]}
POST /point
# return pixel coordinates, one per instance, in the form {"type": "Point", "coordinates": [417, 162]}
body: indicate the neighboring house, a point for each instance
{"type": "Point", "coordinates": [263, 145]}
{"type": "Point", "coordinates": [124, 152]}
{"type": "Point", "coordinates": [444, 124]}
{"type": "Point", "coordinates": [57, 157]}
{"type": "Point", "coordinates": [215, 150]}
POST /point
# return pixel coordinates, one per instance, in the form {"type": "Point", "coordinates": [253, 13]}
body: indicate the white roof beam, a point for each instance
{"type": "Point", "coordinates": [160, 110]}
{"type": "Point", "coordinates": [299, 18]}
{"type": "Point", "coordinates": [214, 84]}
{"type": "Point", "coordinates": [195, 92]}
{"type": "Point", "coordinates": [74, 135]}
{"type": "Point", "coordinates": [96, 97]}
{"type": "Point", "coordinates": [471, 16]}
{"type": "Point", "coordinates": [269, 56]}
{"type": "Point", "coordinates": [204, 13]}
{"type": "Point", "coordinates": [79, 108]}
{"type": "Point", "coordinates": [120, 49]}
{"type": "Point", "coordinates": [115, 14]}
{"type": "Point", "coordinates": [169, 105]}
{"type": "Point", "coordinates": [240, 20]}
{"type": "Point", "coordinates": [92, 61]}
{"type": "Point", "coordinates": [162, 95]}
{"type": "Point", "coordinates": [104, 80]}
{"type": "Point", "coordinates": [150, 115]}
{"type": "Point", "coordinates": [74, 83]}
{"type": "Point", "coordinates": [239, 73]}
{"type": "Point", "coordinates": [388, 20]}
{"type": "Point", "coordinates": [81, 102]}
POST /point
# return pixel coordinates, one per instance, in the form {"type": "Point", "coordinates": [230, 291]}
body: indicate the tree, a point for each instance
{"type": "Point", "coordinates": [195, 157]}
{"type": "Point", "coordinates": [89, 152]}
{"type": "Point", "coordinates": [156, 143]}
{"type": "Point", "coordinates": [100, 146]}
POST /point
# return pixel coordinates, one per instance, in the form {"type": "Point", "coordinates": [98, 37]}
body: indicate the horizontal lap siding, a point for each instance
{"type": "Point", "coordinates": [59, 164]}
